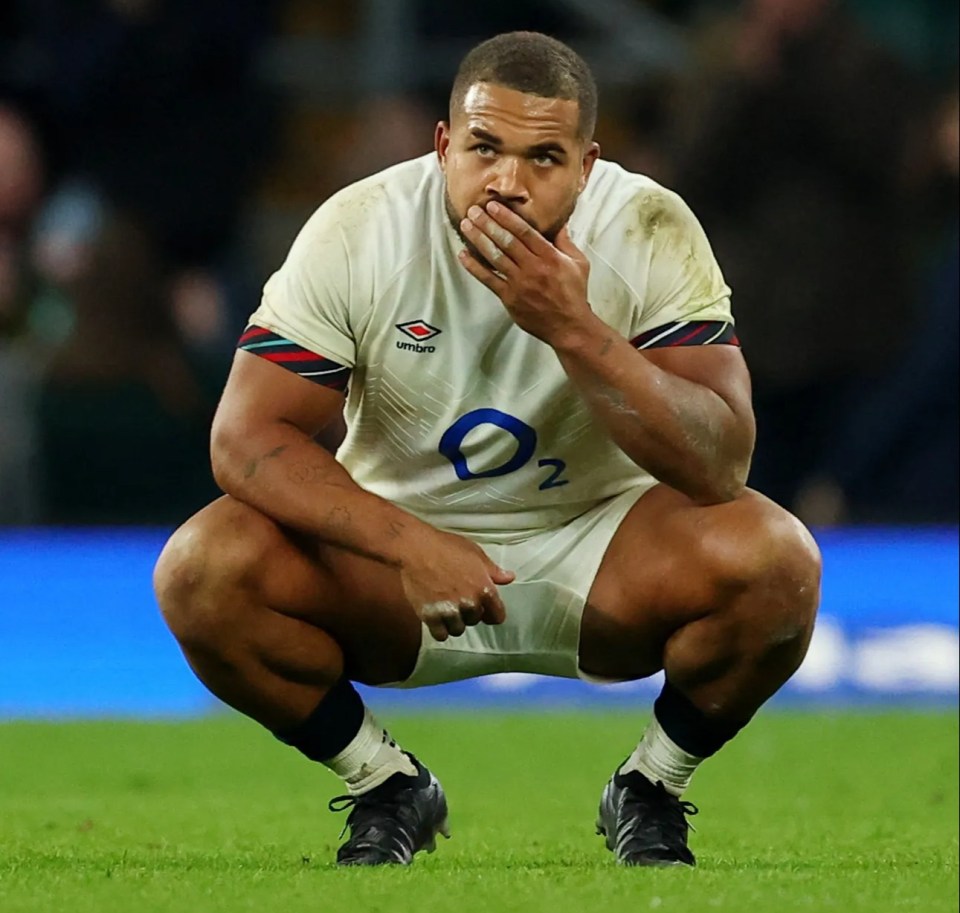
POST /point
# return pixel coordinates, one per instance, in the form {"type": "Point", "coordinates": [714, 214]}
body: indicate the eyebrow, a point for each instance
{"type": "Point", "coordinates": [537, 149]}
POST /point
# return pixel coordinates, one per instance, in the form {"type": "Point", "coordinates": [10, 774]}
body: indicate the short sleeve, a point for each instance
{"type": "Point", "coordinates": [684, 283]}
{"type": "Point", "coordinates": [308, 299]}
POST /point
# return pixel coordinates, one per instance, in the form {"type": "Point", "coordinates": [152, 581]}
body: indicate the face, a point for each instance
{"type": "Point", "coordinates": [520, 150]}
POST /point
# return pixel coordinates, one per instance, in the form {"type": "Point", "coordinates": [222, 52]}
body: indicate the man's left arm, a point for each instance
{"type": "Point", "coordinates": [682, 413]}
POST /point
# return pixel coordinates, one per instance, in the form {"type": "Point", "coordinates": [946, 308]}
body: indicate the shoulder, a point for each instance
{"type": "Point", "coordinates": [631, 209]}
{"type": "Point", "coordinates": [366, 234]}
{"type": "Point", "coordinates": [646, 236]}
{"type": "Point", "coordinates": [378, 206]}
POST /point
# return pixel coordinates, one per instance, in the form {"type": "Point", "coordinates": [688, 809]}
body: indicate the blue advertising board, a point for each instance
{"type": "Point", "coordinates": [80, 634]}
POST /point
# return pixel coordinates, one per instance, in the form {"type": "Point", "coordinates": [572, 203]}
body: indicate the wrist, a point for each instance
{"type": "Point", "coordinates": [419, 545]}
{"type": "Point", "coordinates": [588, 334]}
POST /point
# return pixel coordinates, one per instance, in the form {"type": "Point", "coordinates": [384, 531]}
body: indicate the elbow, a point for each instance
{"type": "Point", "coordinates": [240, 450]}
{"type": "Point", "coordinates": [723, 487]}
{"type": "Point", "coordinates": [728, 481]}
{"type": "Point", "coordinates": [225, 456]}
{"type": "Point", "coordinates": [729, 490]}
{"type": "Point", "coordinates": [221, 474]}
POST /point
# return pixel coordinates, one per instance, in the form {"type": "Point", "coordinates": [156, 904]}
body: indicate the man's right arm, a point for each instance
{"type": "Point", "coordinates": [263, 453]}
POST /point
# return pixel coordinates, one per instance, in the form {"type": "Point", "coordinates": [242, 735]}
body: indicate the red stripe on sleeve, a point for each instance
{"type": "Point", "coordinates": [253, 333]}
{"type": "Point", "coordinates": [690, 335]}
{"type": "Point", "coordinates": [291, 356]}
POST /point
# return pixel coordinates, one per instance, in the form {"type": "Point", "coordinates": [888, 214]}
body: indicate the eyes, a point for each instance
{"type": "Point", "coordinates": [543, 159]}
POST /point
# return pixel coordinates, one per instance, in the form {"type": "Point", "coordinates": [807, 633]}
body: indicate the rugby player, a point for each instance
{"type": "Point", "coordinates": [549, 429]}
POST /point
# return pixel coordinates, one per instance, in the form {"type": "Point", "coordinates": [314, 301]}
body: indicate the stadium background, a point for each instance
{"type": "Point", "coordinates": [157, 157]}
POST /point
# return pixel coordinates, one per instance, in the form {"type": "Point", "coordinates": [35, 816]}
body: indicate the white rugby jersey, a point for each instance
{"type": "Point", "coordinates": [453, 412]}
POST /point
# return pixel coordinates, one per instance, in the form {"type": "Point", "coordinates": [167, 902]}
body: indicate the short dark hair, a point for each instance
{"type": "Point", "coordinates": [533, 63]}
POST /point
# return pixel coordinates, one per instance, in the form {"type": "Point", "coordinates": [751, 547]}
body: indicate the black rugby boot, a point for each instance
{"type": "Point", "coordinates": [394, 821]}
{"type": "Point", "coordinates": [643, 823]}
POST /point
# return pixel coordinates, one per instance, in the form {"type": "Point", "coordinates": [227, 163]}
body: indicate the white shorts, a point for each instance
{"type": "Point", "coordinates": [555, 571]}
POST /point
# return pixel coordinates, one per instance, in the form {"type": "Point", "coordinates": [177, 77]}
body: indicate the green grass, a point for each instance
{"type": "Point", "coordinates": [806, 812]}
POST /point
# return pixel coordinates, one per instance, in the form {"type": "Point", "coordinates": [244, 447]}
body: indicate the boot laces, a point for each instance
{"type": "Point", "coordinates": [367, 809]}
{"type": "Point", "coordinates": [661, 810]}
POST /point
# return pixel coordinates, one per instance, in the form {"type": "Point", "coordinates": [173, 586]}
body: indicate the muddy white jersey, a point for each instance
{"type": "Point", "coordinates": [453, 412]}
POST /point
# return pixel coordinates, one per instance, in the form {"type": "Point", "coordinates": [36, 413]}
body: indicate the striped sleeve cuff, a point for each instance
{"type": "Point", "coordinates": [294, 357]}
{"type": "Point", "coordinates": [687, 333]}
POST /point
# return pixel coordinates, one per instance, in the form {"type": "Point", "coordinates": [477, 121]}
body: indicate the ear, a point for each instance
{"type": "Point", "coordinates": [441, 141]}
{"type": "Point", "coordinates": [590, 156]}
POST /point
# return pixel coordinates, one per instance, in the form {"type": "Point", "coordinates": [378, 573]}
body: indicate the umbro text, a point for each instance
{"type": "Point", "coordinates": [415, 347]}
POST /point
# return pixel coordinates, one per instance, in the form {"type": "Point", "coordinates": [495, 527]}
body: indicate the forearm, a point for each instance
{"type": "Point", "coordinates": [283, 473]}
{"type": "Point", "coordinates": [681, 432]}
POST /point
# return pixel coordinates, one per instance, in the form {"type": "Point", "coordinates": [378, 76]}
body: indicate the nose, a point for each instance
{"type": "Point", "coordinates": [506, 181]}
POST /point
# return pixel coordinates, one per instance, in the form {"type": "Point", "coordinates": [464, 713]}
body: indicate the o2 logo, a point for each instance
{"type": "Point", "coordinates": [451, 446]}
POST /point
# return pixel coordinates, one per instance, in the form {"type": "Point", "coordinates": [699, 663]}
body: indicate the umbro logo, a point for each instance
{"type": "Point", "coordinates": [420, 331]}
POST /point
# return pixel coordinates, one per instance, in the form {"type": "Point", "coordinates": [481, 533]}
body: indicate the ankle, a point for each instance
{"type": "Point", "coordinates": [371, 758]}
{"type": "Point", "coordinates": [660, 760]}
{"type": "Point", "coordinates": [679, 737]}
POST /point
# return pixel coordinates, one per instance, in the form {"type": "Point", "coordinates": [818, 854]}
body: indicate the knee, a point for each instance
{"type": "Point", "coordinates": [771, 564]}
{"type": "Point", "coordinates": [199, 578]}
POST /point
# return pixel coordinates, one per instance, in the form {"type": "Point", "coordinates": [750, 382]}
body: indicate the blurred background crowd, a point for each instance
{"type": "Point", "coordinates": [158, 156]}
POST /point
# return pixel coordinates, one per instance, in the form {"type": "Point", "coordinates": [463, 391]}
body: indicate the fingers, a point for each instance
{"type": "Point", "coordinates": [442, 619]}
{"type": "Point", "coordinates": [471, 612]}
{"type": "Point", "coordinates": [447, 619]}
{"type": "Point", "coordinates": [503, 237]}
{"type": "Point", "coordinates": [483, 274]}
{"type": "Point", "coordinates": [563, 241]}
{"type": "Point", "coordinates": [494, 611]}
{"type": "Point", "coordinates": [564, 244]}
{"type": "Point", "coordinates": [519, 229]}
{"type": "Point", "coordinates": [509, 245]}
{"type": "Point", "coordinates": [493, 242]}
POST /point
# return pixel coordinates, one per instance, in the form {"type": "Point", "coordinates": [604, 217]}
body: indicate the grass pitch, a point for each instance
{"type": "Point", "coordinates": [805, 812]}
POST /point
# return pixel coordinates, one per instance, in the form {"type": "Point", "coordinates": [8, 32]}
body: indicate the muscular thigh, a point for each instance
{"type": "Point", "coordinates": [659, 573]}
{"type": "Point", "coordinates": [359, 602]}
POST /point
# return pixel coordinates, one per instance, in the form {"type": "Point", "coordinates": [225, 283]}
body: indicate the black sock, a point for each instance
{"type": "Point", "coordinates": [690, 728]}
{"type": "Point", "coordinates": [331, 726]}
